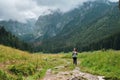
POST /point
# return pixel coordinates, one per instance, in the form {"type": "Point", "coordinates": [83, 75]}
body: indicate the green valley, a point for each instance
{"type": "Point", "coordinates": [59, 40]}
{"type": "Point", "coordinates": [20, 65]}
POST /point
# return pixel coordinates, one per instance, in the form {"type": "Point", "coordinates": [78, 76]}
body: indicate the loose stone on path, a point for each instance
{"type": "Point", "coordinates": [75, 74]}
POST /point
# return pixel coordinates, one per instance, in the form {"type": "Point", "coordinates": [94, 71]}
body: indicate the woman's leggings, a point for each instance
{"type": "Point", "coordinates": [75, 60]}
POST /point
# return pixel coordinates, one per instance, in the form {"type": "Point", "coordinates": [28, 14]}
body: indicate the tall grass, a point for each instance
{"type": "Point", "coordinates": [106, 63]}
{"type": "Point", "coordinates": [20, 65]}
{"type": "Point", "coordinates": [23, 65]}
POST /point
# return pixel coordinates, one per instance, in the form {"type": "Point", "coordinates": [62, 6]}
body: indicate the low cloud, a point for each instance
{"type": "Point", "coordinates": [23, 9]}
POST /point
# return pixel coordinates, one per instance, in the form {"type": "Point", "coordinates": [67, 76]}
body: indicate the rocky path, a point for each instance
{"type": "Point", "coordinates": [75, 74]}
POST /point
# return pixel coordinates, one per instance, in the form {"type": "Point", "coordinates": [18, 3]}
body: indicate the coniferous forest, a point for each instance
{"type": "Point", "coordinates": [6, 38]}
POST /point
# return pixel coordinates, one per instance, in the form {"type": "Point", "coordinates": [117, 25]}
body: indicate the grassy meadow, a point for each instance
{"type": "Point", "coordinates": [21, 65]}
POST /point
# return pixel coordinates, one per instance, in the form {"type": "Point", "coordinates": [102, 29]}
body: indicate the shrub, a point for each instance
{"type": "Point", "coordinates": [5, 76]}
{"type": "Point", "coordinates": [23, 69]}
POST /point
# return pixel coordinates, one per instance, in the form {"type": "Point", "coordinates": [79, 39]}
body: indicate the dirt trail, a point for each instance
{"type": "Point", "coordinates": [75, 74]}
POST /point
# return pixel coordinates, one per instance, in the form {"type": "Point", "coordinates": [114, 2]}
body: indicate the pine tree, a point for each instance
{"type": "Point", "coordinates": [119, 4]}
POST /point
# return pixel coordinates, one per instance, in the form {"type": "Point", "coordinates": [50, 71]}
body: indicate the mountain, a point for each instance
{"type": "Point", "coordinates": [6, 38]}
{"type": "Point", "coordinates": [25, 31]}
{"type": "Point", "coordinates": [52, 24]}
{"type": "Point", "coordinates": [88, 24]}
{"type": "Point", "coordinates": [84, 27]}
{"type": "Point", "coordinates": [48, 25]}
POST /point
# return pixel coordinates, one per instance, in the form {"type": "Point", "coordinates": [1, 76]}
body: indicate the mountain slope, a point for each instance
{"type": "Point", "coordinates": [25, 31]}
{"type": "Point", "coordinates": [47, 25]}
{"type": "Point", "coordinates": [99, 19]}
{"type": "Point", "coordinates": [88, 24]}
{"type": "Point", "coordinates": [8, 39]}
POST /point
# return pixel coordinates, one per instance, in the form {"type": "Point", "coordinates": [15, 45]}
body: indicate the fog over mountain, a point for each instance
{"type": "Point", "coordinates": [55, 26]}
{"type": "Point", "coordinates": [25, 9]}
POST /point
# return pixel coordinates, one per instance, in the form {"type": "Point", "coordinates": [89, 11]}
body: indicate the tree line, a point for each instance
{"type": "Point", "coordinates": [6, 38]}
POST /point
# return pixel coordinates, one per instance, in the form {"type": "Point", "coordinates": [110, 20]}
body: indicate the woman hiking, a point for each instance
{"type": "Point", "coordinates": [74, 56]}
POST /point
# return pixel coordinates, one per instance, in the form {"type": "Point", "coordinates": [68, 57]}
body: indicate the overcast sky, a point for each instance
{"type": "Point", "coordinates": [23, 9]}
